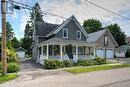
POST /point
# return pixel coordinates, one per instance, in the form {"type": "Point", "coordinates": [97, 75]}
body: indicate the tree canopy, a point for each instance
{"type": "Point", "coordinates": [36, 15]}
{"type": "Point", "coordinates": [117, 33]}
{"type": "Point", "coordinates": [92, 25]}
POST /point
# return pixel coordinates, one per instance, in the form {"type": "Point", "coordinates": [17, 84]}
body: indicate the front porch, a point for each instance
{"type": "Point", "coordinates": [65, 51]}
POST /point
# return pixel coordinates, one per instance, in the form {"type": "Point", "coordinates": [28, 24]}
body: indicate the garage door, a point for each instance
{"type": "Point", "coordinates": [100, 53]}
{"type": "Point", "coordinates": [109, 53]}
{"type": "Point", "coordinates": [21, 54]}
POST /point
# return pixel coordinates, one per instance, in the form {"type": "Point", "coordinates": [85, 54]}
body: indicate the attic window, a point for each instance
{"type": "Point", "coordinates": [105, 40]}
{"type": "Point", "coordinates": [65, 33]}
{"type": "Point", "coordinates": [78, 35]}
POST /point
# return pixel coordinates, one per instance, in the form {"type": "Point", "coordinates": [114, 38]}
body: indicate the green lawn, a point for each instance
{"type": "Point", "coordinates": [8, 77]}
{"type": "Point", "coordinates": [95, 68]}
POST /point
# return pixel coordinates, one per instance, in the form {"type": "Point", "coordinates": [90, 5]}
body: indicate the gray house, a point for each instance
{"type": "Point", "coordinates": [67, 41]}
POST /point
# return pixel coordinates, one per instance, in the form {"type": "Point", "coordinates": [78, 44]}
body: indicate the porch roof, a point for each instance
{"type": "Point", "coordinates": [58, 41]}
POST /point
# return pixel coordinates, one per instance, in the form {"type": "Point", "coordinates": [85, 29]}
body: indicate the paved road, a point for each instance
{"type": "Point", "coordinates": [106, 78]}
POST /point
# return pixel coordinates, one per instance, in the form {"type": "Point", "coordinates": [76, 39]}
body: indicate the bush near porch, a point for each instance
{"type": "Point", "coordinates": [54, 64]}
{"type": "Point", "coordinates": [12, 61]}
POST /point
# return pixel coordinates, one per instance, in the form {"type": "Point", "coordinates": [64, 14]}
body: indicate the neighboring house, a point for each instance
{"type": "Point", "coordinates": [21, 52]}
{"type": "Point", "coordinates": [99, 38]}
{"type": "Point", "coordinates": [128, 40]}
{"type": "Point", "coordinates": [121, 51]}
{"type": "Point", "coordinates": [68, 41]}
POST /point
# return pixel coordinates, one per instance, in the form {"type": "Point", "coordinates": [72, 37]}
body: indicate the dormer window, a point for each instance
{"type": "Point", "coordinates": [78, 35]}
{"type": "Point", "coordinates": [65, 33]}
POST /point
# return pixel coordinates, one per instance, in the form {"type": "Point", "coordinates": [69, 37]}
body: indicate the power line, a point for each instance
{"type": "Point", "coordinates": [107, 10]}
{"type": "Point", "coordinates": [25, 12]}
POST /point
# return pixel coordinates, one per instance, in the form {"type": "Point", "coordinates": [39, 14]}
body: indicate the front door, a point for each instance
{"type": "Point", "coordinates": [69, 51]}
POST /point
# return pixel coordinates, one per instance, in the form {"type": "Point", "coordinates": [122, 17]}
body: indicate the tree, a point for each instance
{"type": "Point", "coordinates": [92, 25]}
{"type": "Point", "coordinates": [27, 40]}
{"type": "Point", "coordinates": [117, 33]}
{"type": "Point", "coordinates": [36, 13]}
{"type": "Point", "coordinates": [15, 43]}
{"type": "Point", "coordinates": [9, 31]}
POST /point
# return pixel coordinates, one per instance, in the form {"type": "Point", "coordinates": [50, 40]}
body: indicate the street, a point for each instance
{"type": "Point", "coordinates": [58, 78]}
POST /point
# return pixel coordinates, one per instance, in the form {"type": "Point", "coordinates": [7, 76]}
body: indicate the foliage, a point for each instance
{"type": "Point", "coordinates": [12, 67]}
{"type": "Point", "coordinates": [84, 63]}
{"type": "Point", "coordinates": [4, 78]}
{"type": "Point", "coordinates": [9, 31]}
{"type": "Point", "coordinates": [117, 33]}
{"type": "Point", "coordinates": [96, 61]}
{"type": "Point", "coordinates": [15, 43]}
{"type": "Point", "coordinates": [127, 54]}
{"type": "Point", "coordinates": [92, 25]}
{"type": "Point", "coordinates": [67, 63]}
{"type": "Point", "coordinates": [99, 61]}
{"type": "Point", "coordinates": [26, 42]}
{"type": "Point", "coordinates": [11, 56]}
{"type": "Point", "coordinates": [52, 64]}
{"type": "Point", "coordinates": [36, 13]}
{"type": "Point", "coordinates": [95, 68]}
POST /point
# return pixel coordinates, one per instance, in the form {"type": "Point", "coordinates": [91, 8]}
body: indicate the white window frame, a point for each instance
{"type": "Point", "coordinates": [66, 32]}
{"type": "Point", "coordinates": [77, 35]}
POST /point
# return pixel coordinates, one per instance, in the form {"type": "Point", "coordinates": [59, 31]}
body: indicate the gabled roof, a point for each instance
{"type": "Point", "coordinates": [48, 29]}
{"type": "Point", "coordinates": [72, 18]}
{"type": "Point", "coordinates": [20, 48]}
{"type": "Point", "coordinates": [94, 37]}
{"type": "Point", "coordinates": [43, 28]}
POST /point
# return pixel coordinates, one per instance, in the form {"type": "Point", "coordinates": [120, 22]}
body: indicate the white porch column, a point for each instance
{"type": "Point", "coordinates": [94, 54]}
{"type": "Point", "coordinates": [77, 51]}
{"type": "Point", "coordinates": [42, 50]}
{"type": "Point", "coordinates": [61, 54]}
{"type": "Point", "coordinates": [47, 51]}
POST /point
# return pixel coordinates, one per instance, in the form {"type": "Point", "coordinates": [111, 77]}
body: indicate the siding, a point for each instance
{"type": "Point", "coordinates": [100, 42]}
{"type": "Point", "coordinates": [72, 29]}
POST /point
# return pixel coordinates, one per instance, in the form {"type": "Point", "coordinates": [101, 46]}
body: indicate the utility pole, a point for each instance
{"type": "Point", "coordinates": [3, 55]}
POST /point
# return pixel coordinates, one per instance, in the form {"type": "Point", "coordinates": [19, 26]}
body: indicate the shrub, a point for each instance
{"type": "Point", "coordinates": [127, 54]}
{"type": "Point", "coordinates": [84, 63]}
{"type": "Point", "coordinates": [12, 67]}
{"type": "Point", "coordinates": [11, 56]}
{"type": "Point", "coordinates": [99, 61]}
{"type": "Point", "coordinates": [67, 63]}
{"type": "Point", "coordinates": [0, 66]}
{"type": "Point", "coordinates": [53, 64]}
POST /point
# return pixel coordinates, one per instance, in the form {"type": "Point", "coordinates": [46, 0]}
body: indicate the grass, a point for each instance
{"type": "Point", "coordinates": [4, 78]}
{"type": "Point", "coordinates": [95, 68]}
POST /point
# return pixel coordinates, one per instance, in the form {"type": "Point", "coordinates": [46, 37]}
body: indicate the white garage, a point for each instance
{"type": "Point", "coordinates": [21, 53]}
{"type": "Point", "coordinates": [101, 53]}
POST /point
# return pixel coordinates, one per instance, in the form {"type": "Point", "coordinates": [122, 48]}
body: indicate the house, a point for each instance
{"type": "Point", "coordinates": [68, 41]}
{"type": "Point", "coordinates": [21, 52]}
{"type": "Point", "coordinates": [121, 51]}
{"type": "Point", "coordinates": [99, 39]}
{"type": "Point", "coordinates": [128, 40]}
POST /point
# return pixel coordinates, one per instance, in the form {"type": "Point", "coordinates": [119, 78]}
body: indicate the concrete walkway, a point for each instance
{"type": "Point", "coordinates": [93, 79]}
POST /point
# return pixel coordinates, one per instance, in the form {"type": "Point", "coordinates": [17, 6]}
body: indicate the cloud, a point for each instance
{"type": "Point", "coordinates": [83, 10]}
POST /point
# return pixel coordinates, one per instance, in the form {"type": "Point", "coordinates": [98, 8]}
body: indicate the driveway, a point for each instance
{"type": "Point", "coordinates": [122, 60]}
{"type": "Point", "coordinates": [37, 77]}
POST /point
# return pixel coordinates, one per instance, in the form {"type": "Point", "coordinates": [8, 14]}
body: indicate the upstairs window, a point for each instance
{"type": "Point", "coordinates": [78, 35]}
{"type": "Point", "coordinates": [65, 33]}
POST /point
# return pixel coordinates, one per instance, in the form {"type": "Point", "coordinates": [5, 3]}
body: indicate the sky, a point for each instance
{"type": "Point", "coordinates": [81, 9]}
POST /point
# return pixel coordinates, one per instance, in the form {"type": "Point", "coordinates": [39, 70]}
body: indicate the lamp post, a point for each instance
{"type": "Point", "coordinates": [3, 55]}
{"type": "Point", "coordinates": [105, 44]}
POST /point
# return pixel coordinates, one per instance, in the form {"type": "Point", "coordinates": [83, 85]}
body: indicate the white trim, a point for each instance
{"type": "Point", "coordinates": [61, 54]}
{"type": "Point", "coordinates": [77, 35]}
{"type": "Point", "coordinates": [65, 29]}
{"type": "Point", "coordinates": [47, 50]}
